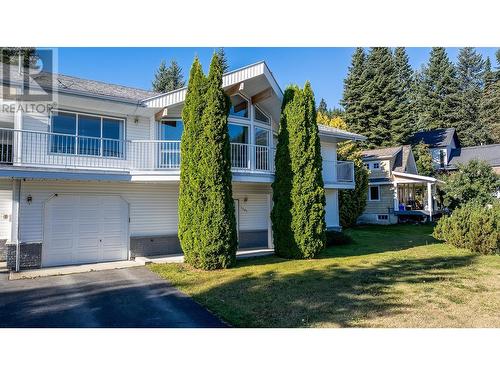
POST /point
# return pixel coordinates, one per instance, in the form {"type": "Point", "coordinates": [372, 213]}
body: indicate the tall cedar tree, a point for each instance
{"type": "Point", "coordinates": [437, 100]}
{"type": "Point", "coordinates": [223, 58]}
{"type": "Point", "coordinates": [323, 107]}
{"type": "Point", "coordinates": [379, 100]}
{"type": "Point", "coordinates": [168, 78]}
{"type": "Point", "coordinates": [353, 93]}
{"type": "Point", "coordinates": [470, 69]}
{"type": "Point", "coordinates": [423, 159]}
{"type": "Point", "coordinates": [298, 214]}
{"type": "Point", "coordinates": [352, 202]}
{"type": "Point", "coordinates": [191, 186]}
{"type": "Point", "coordinates": [404, 118]}
{"type": "Point", "coordinates": [489, 111]}
{"type": "Point", "coordinates": [218, 235]}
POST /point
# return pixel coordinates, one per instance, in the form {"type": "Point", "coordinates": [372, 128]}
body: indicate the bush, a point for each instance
{"type": "Point", "coordinates": [473, 226]}
{"type": "Point", "coordinates": [334, 238]}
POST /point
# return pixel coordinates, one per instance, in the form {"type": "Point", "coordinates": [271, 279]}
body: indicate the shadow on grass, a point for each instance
{"type": "Point", "coordinates": [331, 295]}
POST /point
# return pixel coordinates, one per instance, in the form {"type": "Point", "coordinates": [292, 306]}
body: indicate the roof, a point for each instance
{"type": "Point", "coordinates": [488, 153]}
{"type": "Point", "coordinates": [339, 133]}
{"type": "Point", "coordinates": [80, 85]}
{"type": "Point", "coordinates": [381, 153]}
{"type": "Point", "coordinates": [380, 180]}
{"type": "Point", "coordinates": [416, 177]}
{"type": "Point", "coordinates": [402, 159]}
{"type": "Point", "coordinates": [435, 138]}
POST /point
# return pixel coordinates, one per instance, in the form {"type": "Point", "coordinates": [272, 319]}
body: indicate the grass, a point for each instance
{"type": "Point", "coordinates": [396, 276]}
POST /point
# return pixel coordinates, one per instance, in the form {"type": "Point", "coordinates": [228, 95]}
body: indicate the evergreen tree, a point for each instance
{"type": "Point", "coordinates": [168, 78]}
{"type": "Point", "coordinates": [470, 69]}
{"type": "Point", "coordinates": [218, 235]}
{"type": "Point", "coordinates": [380, 97]}
{"type": "Point", "coordinates": [489, 111]}
{"type": "Point", "coordinates": [298, 214]}
{"type": "Point", "coordinates": [404, 119]}
{"type": "Point", "coordinates": [353, 93]}
{"type": "Point", "coordinates": [437, 100]}
{"type": "Point", "coordinates": [11, 55]}
{"type": "Point", "coordinates": [423, 159]}
{"type": "Point", "coordinates": [323, 108]}
{"type": "Point", "coordinates": [191, 185]}
{"type": "Point", "coordinates": [221, 53]}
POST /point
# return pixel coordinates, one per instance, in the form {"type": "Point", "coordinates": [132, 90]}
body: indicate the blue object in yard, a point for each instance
{"type": "Point", "coordinates": [401, 207]}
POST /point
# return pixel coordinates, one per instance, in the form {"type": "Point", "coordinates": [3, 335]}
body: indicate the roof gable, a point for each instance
{"type": "Point", "coordinates": [436, 138]}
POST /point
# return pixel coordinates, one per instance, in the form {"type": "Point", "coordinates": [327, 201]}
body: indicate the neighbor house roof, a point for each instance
{"type": "Point", "coordinates": [488, 153]}
{"type": "Point", "coordinates": [70, 84]}
{"type": "Point", "coordinates": [401, 161]}
{"type": "Point", "coordinates": [381, 153]}
{"type": "Point", "coordinates": [435, 138]}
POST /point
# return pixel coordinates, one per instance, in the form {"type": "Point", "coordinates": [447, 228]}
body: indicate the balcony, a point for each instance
{"type": "Point", "coordinates": [41, 149]}
{"type": "Point", "coordinates": [338, 174]}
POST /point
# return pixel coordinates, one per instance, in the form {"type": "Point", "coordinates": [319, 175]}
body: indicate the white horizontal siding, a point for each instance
{"type": "Point", "coordinates": [5, 208]}
{"type": "Point", "coordinates": [153, 207]}
{"type": "Point", "coordinates": [36, 122]}
{"type": "Point", "coordinates": [254, 212]}
{"type": "Point", "coordinates": [139, 130]}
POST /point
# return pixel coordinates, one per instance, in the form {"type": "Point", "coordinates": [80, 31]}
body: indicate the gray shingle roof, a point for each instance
{"type": "Point", "coordinates": [380, 152]}
{"type": "Point", "coordinates": [81, 85]}
{"type": "Point", "coordinates": [435, 138]}
{"type": "Point", "coordinates": [488, 153]}
{"type": "Point", "coordinates": [400, 165]}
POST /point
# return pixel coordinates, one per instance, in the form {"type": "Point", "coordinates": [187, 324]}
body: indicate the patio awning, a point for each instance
{"type": "Point", "coordinates": [408, 178]}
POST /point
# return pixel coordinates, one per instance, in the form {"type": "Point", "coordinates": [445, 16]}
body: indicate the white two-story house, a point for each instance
{"type": "Point", "coordinates": [96, 179]}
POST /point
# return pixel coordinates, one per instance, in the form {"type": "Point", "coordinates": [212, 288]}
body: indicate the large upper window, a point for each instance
{"type": "Point", "coordinates": [84, 134]}
{"type": "Point", "coordinates": [261, 116]}
{"type": "Point", "coordinates": [171, 130]}
{"type": "Point", "coordinates": [238, 133]}
{"type": "Point", "coordinates": [239, 106]}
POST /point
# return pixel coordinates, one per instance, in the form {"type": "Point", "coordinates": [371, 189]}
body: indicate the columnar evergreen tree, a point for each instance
{"type": "Point", "coordinates": [191, 186]}
{"type": "Point", "coordinates": [437, 100]}
{"type": "Point", "coordinates": [298, 214]}
{"type": "Point", "coordinates": [168, 78]}
{"type": "Point", "coordinates": [404, 119]}
{"type": "Point", "coordinates": [323, 107]}
{"type": "Point", "coordinates": [218, 235]}
{"type": "Point", "coordinates": [470, 69]}
{"type": "Point", "coordinates": [353, 93]}
{"type": "Point", "coordinates": [489, 111]}
{"type": "Point", "coordinates": [223, 59]}
{"type": "Point", "coordinates": [380, 96]}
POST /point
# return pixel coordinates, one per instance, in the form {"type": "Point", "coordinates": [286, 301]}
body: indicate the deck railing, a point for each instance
{"type": "Point", "coordinates": [43, 149]}
{"type": "Point", "coordinates": [345, 171]}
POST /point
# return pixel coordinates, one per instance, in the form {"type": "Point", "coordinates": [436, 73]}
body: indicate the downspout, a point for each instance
{"type": "Point", "coordinates": [18, 245]}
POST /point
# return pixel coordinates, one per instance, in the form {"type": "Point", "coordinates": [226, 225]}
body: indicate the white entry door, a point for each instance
{"type": "Point", "coordinates": [85, 229]}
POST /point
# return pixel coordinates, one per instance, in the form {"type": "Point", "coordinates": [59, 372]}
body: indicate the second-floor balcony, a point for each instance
{"type": "Point", "coordinates": [42, 149]}
{"type": "Point", "coordinates": [34, 149]}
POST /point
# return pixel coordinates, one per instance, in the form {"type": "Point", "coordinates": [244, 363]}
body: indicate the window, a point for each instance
{"type": "Point", "coordinates": [442, 155]}
{"type": "Point", "coordinates": [374, 193]}
{"type": "Point", "coordinates": [169, 153]}
{"type": "Point", "coordinates": [376, 165]}
{"type": "Point", "coordinates": [367, 165]}
{"type": "Point", "coordinates": [382, 217]}
{"type": "Point", "coordinates": [261, 137]}
{"type": "Point", "coordinates": [238, 133]}
{"type": "Point", "coordinates": [261, 117]}
{"type": "Point", "coordinates": [84, 134]}
{"type": "Point", "coordinates": [171, 130]}
{"type": "Point", "coordinates": [239, 106]}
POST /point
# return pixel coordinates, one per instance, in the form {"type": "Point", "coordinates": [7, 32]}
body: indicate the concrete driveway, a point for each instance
{"type": "Point", "coordinates": [132, 297]}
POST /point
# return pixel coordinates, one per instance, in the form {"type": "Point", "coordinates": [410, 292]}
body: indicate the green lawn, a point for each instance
{"type": "Point", "coordinates": [396, 276]}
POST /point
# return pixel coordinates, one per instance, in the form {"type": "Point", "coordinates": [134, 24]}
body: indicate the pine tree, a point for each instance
{"type": "Point", "coordinates": [323, 108]}
{"type": "Point", "coordinates": [11, 55]}
{"type": "Point", "coordinates": [380, 97]}
{"type": "Point", "coordinates": [298, 214]}
{"type": "Point", "coordinates": [168, 78]}
{"type": "Point", "coordinates": [489, 111]}
{"type": "Point", "coordinates": [219, 240]}
{"type": "Point", "coordinates": [191, 186]}
{"type": "Point", "coordinates": [470, 69]}
{"type": "Point", "coordinates": [404, 119]}
{"type": "Point", "coordinates": [437, 98]}
{"type": "Point", "coordinates": [223, 59]}
{"type": "Point", "coordinates": [353, 93]}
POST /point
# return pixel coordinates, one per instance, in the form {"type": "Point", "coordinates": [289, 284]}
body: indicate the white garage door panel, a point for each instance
{"type": "Point", "coordinates": [85, 229]}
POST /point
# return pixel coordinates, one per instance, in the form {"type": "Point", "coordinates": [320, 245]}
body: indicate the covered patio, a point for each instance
{"type": "Point", "coordinates": [415, 196]}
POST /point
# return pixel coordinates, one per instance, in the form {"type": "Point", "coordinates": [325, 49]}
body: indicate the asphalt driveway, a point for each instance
{"type": "Point", "coordinates": [132, 297]}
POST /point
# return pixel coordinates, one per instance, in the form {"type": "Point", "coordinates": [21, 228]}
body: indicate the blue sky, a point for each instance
{"type": "Point", "coordinates": [326, 68]}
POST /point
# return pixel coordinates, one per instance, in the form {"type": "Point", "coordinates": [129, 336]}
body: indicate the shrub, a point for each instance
{"type": "Point", "coordinates": [473, 226]}
{"type": "Point", "coordinates": [334, 238]}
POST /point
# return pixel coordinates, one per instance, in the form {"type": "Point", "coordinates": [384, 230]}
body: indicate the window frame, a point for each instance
{"type": "Point", "coordinates": [249, 135]}
{"type": "Point", "coordinates": [268, 131]}
{"type": "Point", "coordinates": [386, 218]}
{"type": "Point", "coordinates": [372, 165]}
{"type": "Point", "coordinates": [249, 109]}
{"type": "Point", "coordinates": [256, 107]}
{"type": "Point", "coordinates": [90, 114]}
{"type": "Point", "coordinates": [370, 193]}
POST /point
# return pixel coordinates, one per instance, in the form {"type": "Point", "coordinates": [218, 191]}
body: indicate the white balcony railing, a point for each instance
{"type": "Point", "coordinates": [33, 148]}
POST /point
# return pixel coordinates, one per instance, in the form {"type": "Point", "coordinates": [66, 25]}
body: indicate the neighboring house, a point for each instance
{"type": "Point", "coordinates": [447, 154]}
{"type": "Point", "coordinates": [396, 192]}
{"type": "Point", "coordinates": [98, 178]}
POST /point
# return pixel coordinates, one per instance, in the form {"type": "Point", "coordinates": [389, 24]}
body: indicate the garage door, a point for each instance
{"type": "Point", "coordinates": [84, 229]}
